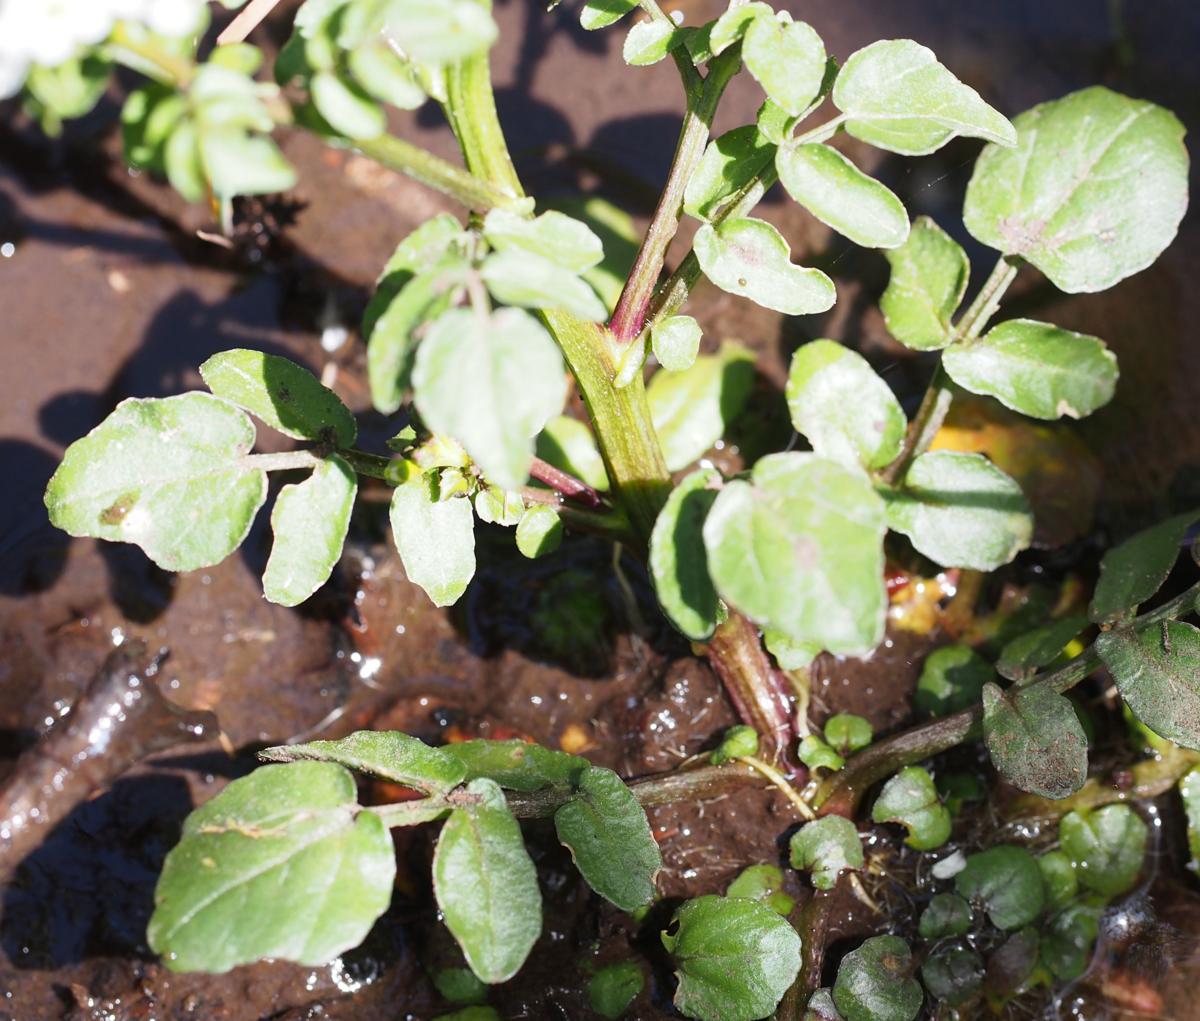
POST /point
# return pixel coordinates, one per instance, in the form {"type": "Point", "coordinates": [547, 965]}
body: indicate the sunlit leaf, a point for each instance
{"type": "Point", "coordinates": [733, 23]}
{"type": "Point", "coordinates": [309, 522]}
{"type": "Point", "coordinates": [787, 58]}
{"type": "Point", "coordinates": [1059, 878]}
{"type": "Point", "coordinates": [840, 195]}
{"type": "Point", "coordinates": [486, 884]}
{"type": "Point", "coordinates": [347, 108]}
{"type": "Point", "coordinates": [875, 983]}
{"type": "Point", "coordinates": [648, 42]}
{"type": "Point", "coordinates": [1157, 671]}
{"type": "Point", "coordinates": [826, 847]}
{"type": "Point", "coordinates": [1035, 740]}
{"type": "Point", "coordinates": [166, 475]}
{"type": "Point", "coordinates": [436, 540]}
{"type": "Point", "coordinates": [554, 236]}
{"type": "Point", "coordinates": [842, 407]}
{"type": "Point", "coordinates": [492, 383]}
{"type": "Point", "coordinates": [601, 13]}
{"type": "Point", "coordinates": [499, 506]}
{"type": "Point", "coordinates": [816, 753]}
{"type": "Point", "coordinates": [1093, 192]}
{"type": "Point", "coordinates": [799, 549]}
{"type": "Point", "coordinates": [280, 864]}
{"type": "Point", "coordinates": [763, 882]}
{"type": "Point", "coordinates": [960, 510]}
{"type": "Point", "coordinates": [539, 531]}
{"type": "Point", "coordinates": [441, 33]}
{"type": "Point", "coordinates": [1133, 571]}
{"type": "Point", "coordinates": [1108, 847]}
{"type": "Point", "coordinates": [678, 560]}
{"type": "Point", "coordinates": [911, 799]}
{"type": "Point", "coordinates": [929, 278]}
{"type": "Point", "coordinates": [730, 163]}
{"type": "Point", "coordinates": [750, 258]}
{"type": "Point", "coordinates": [239, 164]}
{"type": "Point", "coordinates": [519, 277]}
{"type": "Point", "coordinates": [618, 234]}
{"type": "Point", "coordinates": [676, 342]}
{"type": "Point", "coordinates": [848, 733]}
{"type": "Point", "coordinates": [1006, 882]}
{"type": "Point", "coordinates": [386, 75]}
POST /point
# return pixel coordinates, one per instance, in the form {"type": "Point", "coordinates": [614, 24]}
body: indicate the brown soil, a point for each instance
{"type": "Point", "coordinates": [110, 294]}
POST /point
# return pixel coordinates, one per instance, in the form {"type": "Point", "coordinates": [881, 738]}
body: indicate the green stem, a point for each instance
{"type": "Point", "coordinates": [149, 57]}
{"type": "Point", "coordinates": [471, 108]}
{"type": "Point", "coordinates": [630, 313]}
{"type": "Point", "coordinates": [439, 174]}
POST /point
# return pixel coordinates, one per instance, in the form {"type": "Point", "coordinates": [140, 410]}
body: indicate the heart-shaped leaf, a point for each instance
{"type": "Point", "coordinates": [896, 96]}
{"type": "Point", "coordinates": [166, 475]}
{"type": "Point", "coordinates": [1006, 881]}
{"type": "Point", "coordinates": [309, 521]}
{"type": "Point", "coordinates": [1108, 847]}
{"type": "Point", "coordinates": [799, 549]}
{"type": "Point", "coordinates": [1093, 192]}
{"type": "Point", "coordinates": [840, 195]}
{"type": "Point", "coordinates": [1035, 739]}
{"type": "Point", "coordinates": [1040, 370]}
{"type": "Point", "coordinates": [436, 540]}
{"type": "Point", "coordinates": [953, 974]}
{"type": "Point", "coordinates": [960, 510]}
{"type": "Point", "coordinates": [875, 983]}
{"type": "Point", "coordinates": [911, 799]}
{"type": "Point", "coordinates": [750, 258]}
{"type": "Point", "coordinates": [492, 383]}
{"type": "Point", "coordinates": [609, 838]}
{"type": "Point", "coordinates": [845, 410]}
{"type": "Point", "coordinates": [929, 278]}
{"type": "Point", "coordinates": [826, 847]}
{"type": "Point", "coordinates": [679, 561]}
{"type": "Point", "coordinates": [946, 915]}
{"type": "Point", "coordinates": [486, 884]}
{"type": "Point", "coordinates": [280, 864]}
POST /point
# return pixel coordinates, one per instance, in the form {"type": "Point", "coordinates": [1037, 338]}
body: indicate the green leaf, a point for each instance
{"type": "Point", "coordinates": [148, 117]}
{"type": "Point", "coordinates": [609, 838]}
{"type": "Point", "coordinates": [821, 1007]}
{"type": "Point", "coordinates": [848, 733]}
{"type": "Point", "coordinates": [70, 89]}
{"type": "Point", "coordinates": [602, 13]}
{"type": "Point", "coordinates": [517, 765]}
{"type": "Point", "coordinates": [953, 975]}
{"type": "Point", "coordinates": [826, 847]}
{"type": "Point", "coordinates": [929, 278]}
{"type": "Point", "coordinates": [310, 521]}
{"type": "Point", "coordinates": [729, 164]}
{"type": "Point", "coordinates": [1058, 878]}
{"type": "Point", "coordinates": [539, 532]}
{"type": "Point", "coordinates": [1157, 671]}
{"type": "Point", "coordinates": [815, 753]}
{"type": "Point", "coordinates": [441, 33]}
{"type": "Point", "coordinates": [486, 884]}
{"type": "Point", "coordinates": [1035, 740]}
{"type": "Point", "coordinates": [1010, 967]}
{"type": "Point", "coordinates": [1093, 192]}
{"type": "Point", "coordinates": [499, 506]}
{"type": "Point", "coordinates": [564, 241]}
{"type": "Point", "coordinates": [788, 654]}
{"type": "Point", "coordinates": [845, 410]}
{"type": "Point", "coordinates": [787, 58]}
{"type": "Point", "coordinates": [960, 510]}
{"type": "Point", "coordinates": [1189, 791]}
{"type": "Point", "coordinates": [875, 983]}
{"type": "Point", "coordinates": [280, 864]}
{"type": "Point", "coordinates": [648, 42]}
{"type": "Point", "coordinates": [896, 96]}
{"type": "Point", "coordinates": [734, 958]}
{"type": "Point", "coordinates": [1006, 882]}
{"type": "Point", "coordinates": [1036, 369]}
{"type": "Point", "coordinates": [733, 24]}
{"type": "Point", "coordinates": [181, 157]}
{"type": "Point", "coordinates": [1069, 938]}
{"type": "Point", "coordinates": [391, 342]}
{"type": "Point", "coordinates": [518, 277]}
{"type": "Point", "coordinates": [952, 678]}
{"type": "Point", "coordinates": [474, 1013]}
{"type": "Point", "coordinates": [840, 195]}
{"type": "Point", "coordinates": [347, 108]}
{"type": "Point", "coordinates": [390, 755]}
{"type": "Point", "coordinates": [799, 549]}
{"type": "Point", "coordinates": [911, 799]}
{"type": "Point", "coordinates": [762, 882]}
{"type": "Point", "coordinates": [1133, 571]}
{"type": "Point", "coordinates": [385, 75]}
{"type": "Point", "coordinates": [459, 985]}
{"type": "Point", "coordinates": [676, 342]}
{"type": "Point", "coordinates": [568, 443]}
{"type": "Point", "coordinates": [678, 560]}
{"type": "Point", "coordinates": [492, 383]}
{"type": "Point", "coordinates": [736, 743]}
{"type": "Point", "coordinates": [1024, 656]}
{"type": "Point", "coordinates": [240, 164]}
{"type": "Point", "coordinates": [750, 258]}
{"type": "Point", "coordinates": [692, 409]}
{"type": "Point", "coordinates": [947, 914]}
{"type": "Point", "coordinates": [166, 475]}
{"type": "Point", "coordinates": [1107, 846]}
{"type": "Point", "coordinates": [611, 990]}
{"type": "Point", "coordinates": [282, 394]}
{"type": "Point", "coordinates": [619, 236]}
{"type": "Point", "coordinates": [436, 541]}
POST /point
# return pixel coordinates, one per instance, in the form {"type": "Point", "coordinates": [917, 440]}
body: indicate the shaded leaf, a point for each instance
{"type": "Point", "coordinates": [609, 838]}
{"type": "Point", "coordinates": [1006, 881]}
{"type": "Point", "coordinates": [613, 988]}
{"type": "Point", "coordinates": [730, 164]}
{"type": "Point", "coordinates": [240, 164]}
{"type": "Point", "coordinates": [911, 799]}
{"type": "Point", "coordinates": [620, 238]}
{"type": "Point", "coordinates": [947, 914]}
{"type": "Point", "coordinates": [826, 847]}
{"type": "Point", "coordinates": [952, 678]}
{"type": "Point", "coordinates": [750, 258]}
{"type": "Point", "coordinates": [1189, 791]}
{"type": "Point", "coordinates": [840, 195]}
{"type": "Point", "coordinates": [280, 864]}
{"type": "Point", "coordinates": [1069, 938]}
{"type": "Point", "coordinates": [1107, 847]}
{"type": "Point", "coordinates": [441, 33]}
{"type": "Point", "coordinates": [762, 882]}
{"type": "Point", "coordinates": [842, 407]}
{"type": "Point", "coordinates": [816, 753]}
{"type": "Point", "coordinates": [734, 958]}
{"type": "Point", "coordinates": [896, 96]}
{"type": "Point", "coordinates": [1035, 740]}
{"type": "Point", "coordinates": [1093, 192]}
{"type": "Point", "coordinates": [166, 475]}
{"type": "Point", "coordinates": [347, 108]}
{"type": "Point", "coordinates": [848, 733]}
{"type": "Point", "coordinates": [960, 510]}
{"type": "Point", "coordinates": [568, 443]}
{"type": "Point", "coordinates": [953, 974]}
{"type": "Point", "coordinates": [929, 278]}
{"type": "Point", "coordinates": [1024, 656]}
{"type": "Point", "coordinates": [799, 549]}
{"type": "Point", "coordinates": [309, 521]}
{"type": "Point", "coordinates": [875, 983]}
{"type": "Point", "coordinates": [539, 532]}
{"type": "Point", "coordinates": [1133, 571]}
{"type": "Point", "coordinates": [1059, 879]}
{"type": "Point", "coordinates": [517, 765]}
{"type": "Point", "coordinates": [678, 560]}
{"type": "Point", "coordinates": [1012, 964]}
{"type": "Point", "coordinates": [436, 541]}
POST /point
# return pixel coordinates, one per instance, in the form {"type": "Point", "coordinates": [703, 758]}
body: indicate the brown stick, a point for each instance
{"type": "Point", "coordinates": [247, 21]}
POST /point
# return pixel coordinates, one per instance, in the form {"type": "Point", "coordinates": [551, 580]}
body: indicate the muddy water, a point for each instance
{"type": "Point", "coordinates": [109, 294]}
